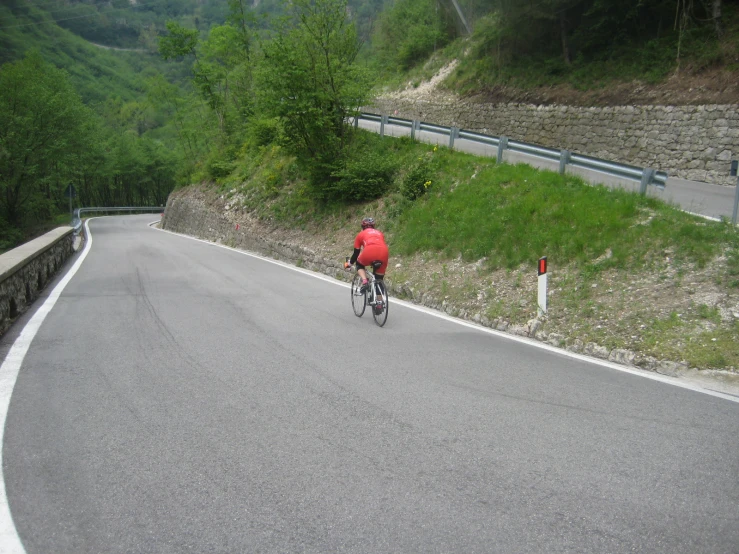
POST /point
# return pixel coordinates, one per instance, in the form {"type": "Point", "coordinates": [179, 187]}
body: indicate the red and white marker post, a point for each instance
{"type": "Point", "coordinates": [542, 286]}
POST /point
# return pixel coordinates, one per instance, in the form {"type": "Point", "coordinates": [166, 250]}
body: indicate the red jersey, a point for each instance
{"type": "Point", "coordinates": [369, 237]}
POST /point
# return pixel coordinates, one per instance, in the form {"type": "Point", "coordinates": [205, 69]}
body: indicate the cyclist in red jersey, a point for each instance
{"type": "Point", "coordinates": [369, 245]}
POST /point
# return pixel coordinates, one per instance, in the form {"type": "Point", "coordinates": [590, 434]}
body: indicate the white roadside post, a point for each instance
{"type": "Point", "coordinates": [542, 286]}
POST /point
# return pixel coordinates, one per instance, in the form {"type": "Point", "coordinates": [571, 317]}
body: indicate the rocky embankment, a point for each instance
{"type": "Point", "coordinates": [199, 212]}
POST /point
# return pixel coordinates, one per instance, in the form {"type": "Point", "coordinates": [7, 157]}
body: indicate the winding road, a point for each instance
{"type": "Point", "coordinates": [117, 48]}
{"type": "Point", "coordinates": [185, 397]}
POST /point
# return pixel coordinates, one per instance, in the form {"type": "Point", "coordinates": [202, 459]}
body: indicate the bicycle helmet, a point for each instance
{"type": "Point", "coordinates": [368, 222]}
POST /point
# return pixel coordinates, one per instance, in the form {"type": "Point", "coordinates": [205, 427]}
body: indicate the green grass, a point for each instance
{"type": "Point", "coordinates": [717, 348]}
{"type": "Point", "coordinates": [516, 214]}
{"type": "Point", "coordinates": [267, 181]}
{"type": "Point", "coordinates": [508, 214]}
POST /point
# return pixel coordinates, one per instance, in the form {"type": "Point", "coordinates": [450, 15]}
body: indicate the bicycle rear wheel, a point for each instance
{"type": "Point", "coordinates": [359, 299]}
{"type": "Point", "coordinates": [381, 315]}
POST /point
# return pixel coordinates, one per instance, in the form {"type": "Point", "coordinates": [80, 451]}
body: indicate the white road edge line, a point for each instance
{"type": "Point", "coordinates": [709, 217]}
{"type": "Point", "coordinates": [10, 542]}
{"type": "Point", "coordinates": [536, 344]}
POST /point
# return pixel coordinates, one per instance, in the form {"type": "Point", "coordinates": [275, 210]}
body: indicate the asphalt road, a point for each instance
{"type": "Point", "coordinates": [714, 201]}
{"type": "Point", "coordinates": [181, 397]}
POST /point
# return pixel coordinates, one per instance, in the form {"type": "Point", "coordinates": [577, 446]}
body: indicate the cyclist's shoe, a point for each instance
{"type": "Point", "coordinates": [379, 307]}
{"type": "Point", "coordinates": [365, 286]}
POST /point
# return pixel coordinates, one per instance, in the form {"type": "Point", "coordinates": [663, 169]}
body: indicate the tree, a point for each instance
{"type": "Point", "coordinates": [411, 30]}
{"type": "Point", "coordinates": [149, 38]}
{"type": "Point", "coordinates": [222, 70]}
{"type": "Point", "coordinates": [311, 81]}
{"type": "Point", "coordinates": [716, 16]}
{"type": "Point", "coordinates": [223, 76]}
{"type": "Point", "coordinates": [43, 128]}
{"type": "Point", "coordinates": [180, 42]}
{"type": "Point", "coordinates": [187, 114]}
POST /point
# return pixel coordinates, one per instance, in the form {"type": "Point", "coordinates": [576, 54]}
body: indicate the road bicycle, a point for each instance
{"type": "Point", "coordinates": [375, 296]}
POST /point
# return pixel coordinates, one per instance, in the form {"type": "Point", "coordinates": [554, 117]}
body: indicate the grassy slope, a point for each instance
{"type": "Point", "coordinates": [598, 240]}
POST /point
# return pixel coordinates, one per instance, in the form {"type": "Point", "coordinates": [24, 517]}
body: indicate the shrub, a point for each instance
{"type": "Point", "coordinates": [11, 236]}
{"type": "Point", "coordinates": [219, 168]}
{"type": "Point", "coordinates": [363, 177]}
{"type": "Point", "coordinates": [417, 180]}
{"type": "Point", "coordinates": [265, 131]}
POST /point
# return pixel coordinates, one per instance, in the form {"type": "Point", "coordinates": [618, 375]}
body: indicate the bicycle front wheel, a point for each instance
{"type": "Point", "coordinates": [380, 312]}
{"type": "Point", "coordinates": [359, 298]}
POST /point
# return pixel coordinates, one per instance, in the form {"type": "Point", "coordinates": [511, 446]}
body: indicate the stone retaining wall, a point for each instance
{"type": "Point", "coordinates": [187, 215]}
{"type": "Point", "coordinates": [26, 270]}
{"type": "Point", "coordinates": [690, 142]}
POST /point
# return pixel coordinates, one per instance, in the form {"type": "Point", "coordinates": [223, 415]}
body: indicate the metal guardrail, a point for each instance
{"type": "Point", "coordinates": [646, 176]}
{"type": "Point", "coordinates": [400, 122]}
{"type": "Point", "coordinates": [533, 150]}
{"type": "Point", "coordinates": [370, 117]}
{"type": "Point", "coordinates": [436, 128]}
{"type": "Point", "coordinates": [77, 219]}
{"type": "Point", "coordinates": [478, 137]}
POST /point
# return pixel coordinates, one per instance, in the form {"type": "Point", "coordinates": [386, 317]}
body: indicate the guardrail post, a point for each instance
{"type": "Point", "coordinates": [564, 159]}
{"type": "Point", "coordinates": [415, 124]}
{"type": "Point", "coordinates": [453, 131]}
{"type": "Point", "coordinates": [383, 122]}
{"type": "Point", "coordinates": [356, 121]}
{"type": "Point", "coordinates": [646, 178]}
{"type": "Point", "coordinates": [502, 145]}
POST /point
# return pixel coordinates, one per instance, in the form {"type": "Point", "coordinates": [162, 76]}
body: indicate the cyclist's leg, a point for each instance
{"type": "Point", "coordinates": [362, 273]}
{"type": "Point", "coordinates": [381, 278]}
{"type": "Point", "coordinates": [380, 254]}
